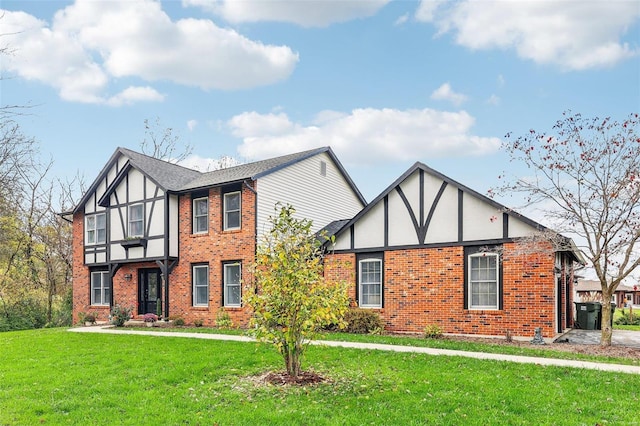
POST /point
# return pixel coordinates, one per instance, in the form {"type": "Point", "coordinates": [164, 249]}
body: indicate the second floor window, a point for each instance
{"type": "Point", "coordinates": [200, 215]}
{"type": "Point", "coordinates": [97, 229]}
{"type": "Point", "coordinates": [231, 211]}
{"type": "Point", "coordinates": [136, 220]}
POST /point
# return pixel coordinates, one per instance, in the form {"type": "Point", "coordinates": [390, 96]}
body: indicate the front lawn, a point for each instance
{"type": "Point", "coordinates": [57, 377]}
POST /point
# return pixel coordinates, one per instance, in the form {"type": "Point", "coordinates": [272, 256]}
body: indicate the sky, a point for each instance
{"type": "Point", "coordinates": [384, 83]}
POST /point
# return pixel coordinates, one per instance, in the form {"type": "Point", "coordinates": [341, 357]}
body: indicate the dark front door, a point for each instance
{"type": "Point", "coordinates": [148, 290]}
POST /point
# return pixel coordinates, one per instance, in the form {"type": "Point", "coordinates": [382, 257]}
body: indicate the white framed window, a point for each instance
{"type": "Point", "coordinates": [200, 215]}
{"type": "Point", "coordinates": [231, 210]}
{"type": "Point", "coordinates": [200, 277]}
{"type": "Point", "coordinates": [136, 220]}
{"type": "Point", "coordinates": [96, 226]}
{"type": "Point", "coordinates": [232, 273]}
{"type": "Point", "coordinates": [370, 283]}
{"type": "Point", "coordinates": [100, 288]}
{"type": "Point", "coordinates": [483, 281]}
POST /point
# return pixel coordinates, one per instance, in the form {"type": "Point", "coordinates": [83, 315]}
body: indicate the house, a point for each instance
{"type": "Point", "coordinates": [591, 291]}
{"type": "Point", "coordinates": [431, 251]}
{"type": "Point", "coordinates": [159, 237]}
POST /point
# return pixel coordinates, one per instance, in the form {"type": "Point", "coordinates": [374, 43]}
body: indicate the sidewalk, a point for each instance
{"type": "Point", "coordinates": [618, 368]}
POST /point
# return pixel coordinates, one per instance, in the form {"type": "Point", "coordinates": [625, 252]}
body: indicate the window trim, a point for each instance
{"type": "Point", "coordinates": [129, 234]}
{"type": "Point", "coordinates": [95, 229]}
{"type": "Point", "coordinates": [195, 216]}
{"type": "Point", "coordinates": [104, 278]}
{"type": "Point", "coordinates": [225, 211]}
{"type": "Point", "coordinates": [225, 284]}
{"type": "Point", "coordinates": [470, 304]}
{"type": "Point", "coordinates": [194, 286]}
{"type": "Point", "coordinates": [379, 260]}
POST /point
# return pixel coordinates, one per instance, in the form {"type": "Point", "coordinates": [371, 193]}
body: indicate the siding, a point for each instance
{"type": "Point", "coordinates": [314, 196]}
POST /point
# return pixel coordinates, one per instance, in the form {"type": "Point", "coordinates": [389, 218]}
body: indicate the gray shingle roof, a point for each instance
{"type": "Point", "coordinates": [171, 177]}
{"type": "Point", "coordinates": [248, 171]}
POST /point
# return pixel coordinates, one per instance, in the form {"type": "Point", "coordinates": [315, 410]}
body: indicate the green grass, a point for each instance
{"type": "Point", "coordinates": [56, 377]}
{"type": "Point", "coordinates": [618, 313]}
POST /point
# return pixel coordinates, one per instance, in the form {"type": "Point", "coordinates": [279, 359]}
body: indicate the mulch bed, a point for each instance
{"type": "Point", "coordinates": [282, 378]}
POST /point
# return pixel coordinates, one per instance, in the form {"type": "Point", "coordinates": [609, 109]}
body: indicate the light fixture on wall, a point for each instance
{"type": "Point", "coordinates": [128, 277]}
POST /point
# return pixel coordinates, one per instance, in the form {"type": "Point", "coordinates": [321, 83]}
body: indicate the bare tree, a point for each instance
{"type": "Point", "coordinates": [585, 173]}
{"type": "Point", "coordinates": [161, 143]}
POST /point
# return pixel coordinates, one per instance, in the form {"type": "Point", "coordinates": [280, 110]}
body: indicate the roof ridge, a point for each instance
{"type": "Point", "coordinates": [128, 151]}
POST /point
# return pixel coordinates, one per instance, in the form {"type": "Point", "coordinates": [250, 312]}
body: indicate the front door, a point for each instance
{"type": "Point", "coordinates": [149, 293]}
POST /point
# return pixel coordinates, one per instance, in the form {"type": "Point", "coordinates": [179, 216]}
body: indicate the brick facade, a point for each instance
{"type": "Point", "coordinates": [212, 248]}
{"type": "Point", "coordinates": [425, 286]}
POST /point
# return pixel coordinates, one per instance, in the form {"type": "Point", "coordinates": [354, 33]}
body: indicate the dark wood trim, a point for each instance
{"type": "Point", "coordinates": [460, 215]}
{"type": "Point", "coordinates": [412, 215]}
{"type": "Point", "coordinates": [432, 210]}
{"type": "Point", "coordinates": [386, 220]}
{"type": "Point", "coordinates": [505, 225]}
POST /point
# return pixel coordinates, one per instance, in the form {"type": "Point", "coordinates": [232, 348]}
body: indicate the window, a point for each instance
{"type": "Point", "coordinates": [231, 278]}
{"type": "Point", "coordinates": [100, 288]}
{"type": "Point", "coordinates": [97, 228]}
{"type": "Point", "coordinates": [136, 220]}
{"type": "Point", "coordinates": [370, 283]}
{"type": "Point", "coordinates": [483, 281]}
{"type": "Point", "coordinates": [231, 210]}
{"type": "Point", "coordinates": [200, 215]}
{"type": "Point", "coordinates": [200, 285]}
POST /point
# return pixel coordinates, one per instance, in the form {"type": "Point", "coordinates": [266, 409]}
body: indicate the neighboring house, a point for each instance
{"type": "Point", "coordinates": [591, 291]}
{"type": "Point", "coordinates": [429, 250]}
{"type": "Point", "coordinates": [159, 237]}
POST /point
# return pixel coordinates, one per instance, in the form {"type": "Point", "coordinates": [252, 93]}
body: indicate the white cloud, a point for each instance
{"type": "Point", "coordinates": [308, 13]}
{"type": "Point", "coordinates": [501, 80]}
{"type": "Point", "coordinates": [364, 136]}
{"type": "Point", "coordinates": [132, 95]}
{"type": "Point", "coordinates": [445, 93]}
{"type": "Point", "coordinates": [402, 19]}
{"type": "Point", "coordinates": [574, 35]}
{"type": "Point", "coordinates": [493, 100]}
{"type": "Point", "coordinates": [89, 43]}
{"type": "Point", "coordinates": [191, 124]}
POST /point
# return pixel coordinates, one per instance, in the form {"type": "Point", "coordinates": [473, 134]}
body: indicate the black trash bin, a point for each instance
{"type": "Point", "coordinates": [587, 315]}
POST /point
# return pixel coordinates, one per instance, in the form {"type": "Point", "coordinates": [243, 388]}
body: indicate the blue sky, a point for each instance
{"type": "Point", "coordinates": [384, 83]}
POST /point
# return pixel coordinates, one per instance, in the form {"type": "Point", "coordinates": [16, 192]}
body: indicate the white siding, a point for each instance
{"type": "Point", "coordinates": [444, 222]}
{"type": "Point", "coordinates": [343, 242]}
{"type": "Point", "coordinates": [518, 228]}
{"type": "Point", "coordinates": [411, 189]}
{"type": "Point", "coordinates": [155, 248]}
{"type": "Point", "coordinates": [136, 186]}
{"type": "Point", "coordinates": [321, 199]}
{"type": "Point", "coordinates": [173, 225]}
{"type": "Point", "coordinates": [481, 220]}
{"type": "Point", "coordinates": [401, 229]}
{"type": "Point", "coordinates": [368, 228]}
{"type": "Point", "coordinates": [155, 218]}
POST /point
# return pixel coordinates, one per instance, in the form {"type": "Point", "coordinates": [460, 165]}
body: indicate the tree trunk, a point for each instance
{"type": "Point", "coordinates": [605, 324]}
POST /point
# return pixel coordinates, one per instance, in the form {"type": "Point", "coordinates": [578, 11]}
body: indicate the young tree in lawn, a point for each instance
{"type": "Point", "coordinates": [289, 296]}
{"type": "Point", "coordinates": [586, 174]}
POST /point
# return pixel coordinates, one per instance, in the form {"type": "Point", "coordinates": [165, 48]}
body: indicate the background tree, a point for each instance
{"type": "Point", "coordinates": [161, 143]}
{"type": "Point", "coordinates": [586, 177]}
{"type": "Point", "coordinates": [290, 298]}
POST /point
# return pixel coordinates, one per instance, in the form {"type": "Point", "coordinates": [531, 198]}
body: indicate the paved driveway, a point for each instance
{"type": "Point", "coordinates": [592, 337]}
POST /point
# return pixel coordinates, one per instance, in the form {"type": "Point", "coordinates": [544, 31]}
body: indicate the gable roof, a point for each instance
{"type": "Point", "coordinates": [594, 285]}
{"type": "Point", "coordinates": [175, 178]}
{"type": "Point", "coordinates": [421, 166]}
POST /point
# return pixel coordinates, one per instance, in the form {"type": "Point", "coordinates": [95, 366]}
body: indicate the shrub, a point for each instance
{"type": "Point", "coordinates": [626, 319]}
{"type": "Point", "coordinates": [120, 314]}
{"type": "Point", "coordinates": [432, 331]}
{"type": "Point", "coordinates": [24, 314]}
{"type": "Point", "coordinates": [198, 322]}
{"type": "Point", "coordinates": [363, 321]}
{"type": "Point", "coordinates": [178, 321]}
{"type": "Point", "coordinates": [90, 318]}
{"type": "Point", "coordinates": [223, 319]}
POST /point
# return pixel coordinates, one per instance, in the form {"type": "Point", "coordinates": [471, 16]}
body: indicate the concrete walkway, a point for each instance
{"type": "Point", "coordinates": [630, 369]}
{"type": "Point", "coordinates": [628, 338]}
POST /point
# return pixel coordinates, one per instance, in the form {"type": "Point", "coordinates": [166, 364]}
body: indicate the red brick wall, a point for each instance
{"type": "Point", "coordinates": [214, 248]}
{"type": "Point", "coordinates": [426, 286]}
